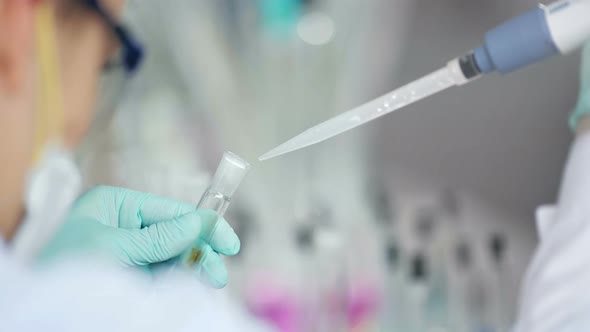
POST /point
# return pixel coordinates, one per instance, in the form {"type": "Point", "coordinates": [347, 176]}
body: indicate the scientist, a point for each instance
{"type": "Point", "coordinates": [556, 291]}
{"type": "Point", "coordinates": [52, 54]}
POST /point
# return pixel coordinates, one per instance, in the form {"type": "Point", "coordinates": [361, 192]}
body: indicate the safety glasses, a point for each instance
{"type": "Point", "coordinates": [119, 70]}
{"type": "Point", "coordinates": [132, 52]}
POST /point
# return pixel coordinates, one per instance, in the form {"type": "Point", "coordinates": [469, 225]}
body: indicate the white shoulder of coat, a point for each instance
{"type": "Point", "coordinates": [77, 296]}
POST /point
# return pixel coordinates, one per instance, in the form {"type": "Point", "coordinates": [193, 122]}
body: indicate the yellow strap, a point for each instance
{"type": "Point", "coordinates": [49, 114]}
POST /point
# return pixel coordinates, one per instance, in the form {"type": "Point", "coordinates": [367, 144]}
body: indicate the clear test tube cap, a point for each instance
{"type": "Point", "coordinates": [229, 174]}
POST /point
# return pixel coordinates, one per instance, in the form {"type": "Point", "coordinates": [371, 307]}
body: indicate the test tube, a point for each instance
{"type": "Point", "coordinates": [217, 197]}
{"type": "Point", "coordinates": [227, 178]}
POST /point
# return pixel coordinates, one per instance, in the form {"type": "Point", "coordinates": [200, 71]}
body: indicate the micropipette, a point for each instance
{"type": "Point", "coordinates": [526, 39]}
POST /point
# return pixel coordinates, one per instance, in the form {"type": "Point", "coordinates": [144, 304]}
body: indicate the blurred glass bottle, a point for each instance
{"type": "Point", "coordinates": [459, 311]}
{"type": "Point", "coordinates": [393, 314]}
{"type": "Point", "coordinates": [434, 244]}
{"type": "Point", "coordinates": [472, 309]}
{"type": "Point", "coordinates": [332, 274]}
{"type": "Point", "coordinates": [416, 294]}
{"type": "Point", "coordinates": [497, 249]}
{"type": "Point", "coordinates": [310, 285]}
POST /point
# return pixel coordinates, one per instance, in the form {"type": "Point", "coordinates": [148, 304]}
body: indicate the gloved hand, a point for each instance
{"type": "Point", "coordinates": [136, 229]}
{"type": "Point", "coordinates": [583, 106]}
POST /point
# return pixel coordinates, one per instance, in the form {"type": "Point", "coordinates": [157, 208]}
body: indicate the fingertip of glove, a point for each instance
{"type": "Point", "coordinates": [236, 247]}
{"type": "Point", "coordinates": [216, 274]}
{"type": "Point", "coordinates": [224, 240]}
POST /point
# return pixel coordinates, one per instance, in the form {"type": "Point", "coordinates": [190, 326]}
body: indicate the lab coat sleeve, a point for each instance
{"type": "Point", "coordinates": [84, 297]}
{"type": "Point", "coordinates": [556, 290]}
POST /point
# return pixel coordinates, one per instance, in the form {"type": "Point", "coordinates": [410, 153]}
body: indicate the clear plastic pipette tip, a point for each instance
{"type": "Point", "coordinates": [399, 98]}
{"type": "Point", "coordinates": [286, 147]}
{"type": "Point", "coordinates": [272, 153]}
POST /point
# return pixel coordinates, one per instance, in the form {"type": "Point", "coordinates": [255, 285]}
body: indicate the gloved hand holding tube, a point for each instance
{"type": "Point", "coordinates": [138, 229]}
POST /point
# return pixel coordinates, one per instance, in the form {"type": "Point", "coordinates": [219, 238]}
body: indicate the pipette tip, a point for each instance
{"type": "Point", "coordinates": [268, 155]}
{"type": "Point", "coordinates": [277, 151]}
{"type": "Point", "coordinates": [291, 145]}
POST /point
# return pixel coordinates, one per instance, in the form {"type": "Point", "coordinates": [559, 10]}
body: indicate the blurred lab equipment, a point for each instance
{"type": "Point", "coordinates": [392, 310]}
{"type": "Point", "coordinates": [430, 234]}
{"type": "Point", "coordinates": [417, 293]}
{"type": "Point", "coordinates": [497, 247]}
{"type": "Point", "coordinates": [522, 41]}
{"type": "Point", "coordinates": [271, 302]}
{"type": "Point", "coordinates": [465, 314]}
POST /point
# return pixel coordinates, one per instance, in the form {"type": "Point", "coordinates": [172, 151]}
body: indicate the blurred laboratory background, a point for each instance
{"type": "Point", "coordinates": [421, 221]}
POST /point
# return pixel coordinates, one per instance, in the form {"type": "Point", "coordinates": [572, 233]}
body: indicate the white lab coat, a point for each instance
{"type": "Point", "coordinates": [556, 290]}
{"type": "Point", "coordinates": [84, 297]}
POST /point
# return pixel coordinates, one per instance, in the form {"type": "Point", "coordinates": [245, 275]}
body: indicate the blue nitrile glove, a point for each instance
{"type": "Point", "coordinates": [583, 106]}
{"type": "Point", "coordinates": [138, 229]}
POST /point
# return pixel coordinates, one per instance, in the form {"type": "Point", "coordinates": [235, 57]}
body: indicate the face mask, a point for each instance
{"type": "Point", "coordinates": [54, 182]}
{"type": "Point", "coordinates": [52, 187]}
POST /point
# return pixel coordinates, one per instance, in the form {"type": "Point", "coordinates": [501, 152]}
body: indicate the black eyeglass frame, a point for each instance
{"type": "Point", "coordinates": [131, 50]}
